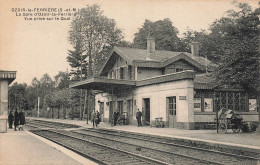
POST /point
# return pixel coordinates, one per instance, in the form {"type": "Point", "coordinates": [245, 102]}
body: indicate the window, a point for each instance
{"type": "Point", "coordinates": [117, 73]}
{"type": "Point", "coordinates": [252, 104]}
{"type": "Point", "coordinates": [197, 104]}
{"type": "Point", "coordinates": [121, 73]}
{"type": "Point", "coordinates": [130, 106]}
{"type": "Point", "coordinates": [179, 69]}
{"type": "Point", "coordinates": [120, 107]}
{"type": "Point", "coordinates": [208, 105]}
{"type": "Point", "coordinates": [130, 72]}
{"type": "Point", "coordinates": [113, 74]}
{"type": "Point", "coordinates": [110, 75]}
{"type": "Point", "coordinates": [171, 105]}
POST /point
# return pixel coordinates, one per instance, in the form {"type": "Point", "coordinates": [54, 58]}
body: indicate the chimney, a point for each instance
{"type": "Point", "coordinates": [195, 48]}
{"type": "Point", "coordinates": [150, 44]}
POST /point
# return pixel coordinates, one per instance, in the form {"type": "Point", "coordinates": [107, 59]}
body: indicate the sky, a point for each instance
{"type": "Point", "coordinates": [35, 47]}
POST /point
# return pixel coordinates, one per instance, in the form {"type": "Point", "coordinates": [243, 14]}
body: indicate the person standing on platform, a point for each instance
{"type": "Point", "coordinates": [115, 116]}
{"type": "Point", "coordinates": [16, 120]}
{"type": "Point", "coordinates": [97, 118]}
{"type": "Point", "coordinates": [10, 119]}
{"type": "Point", "coordinates": [93, 117]}
{"type": "Point", "coordinates": [21, 119]}
{"type": "Point", "coordinates": [138, 117]}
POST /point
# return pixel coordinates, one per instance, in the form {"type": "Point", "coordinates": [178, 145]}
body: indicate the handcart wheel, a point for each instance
{"type": "Point", "coordinates": [223, 127]}
{"type": "Point", "coordinates": [236, 130]}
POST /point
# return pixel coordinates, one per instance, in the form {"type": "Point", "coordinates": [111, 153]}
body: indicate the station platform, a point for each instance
{"type": "Point", "coordinates": [25, 148]}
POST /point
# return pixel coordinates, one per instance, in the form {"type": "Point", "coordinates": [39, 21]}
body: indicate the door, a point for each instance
{"type": "Point", "coordinates": [111, 110]}
{"type": "Point", "coordinates": [120, 107]}
{"type": "Point", "coordinates": [101, 110]}
{"type": "Point", "coordinates": [130, 110]}
{"type": "Point", "coordinates": [146, 110]}
{"type": "Point", "coordinates": [171, 111]}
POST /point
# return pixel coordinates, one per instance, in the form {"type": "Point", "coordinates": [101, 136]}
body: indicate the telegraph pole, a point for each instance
{"type": "Point", "coordinates": [38, 107]}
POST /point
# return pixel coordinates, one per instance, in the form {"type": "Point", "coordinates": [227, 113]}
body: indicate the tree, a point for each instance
{"type": "Point", "coordinates": [46, 85]}
{"type": "Point", "coordinates": [94, 34]}
{"type": "Point", "coordinates": [33, 93]}
{"type": "Point", "coordinates": [163, 31]}
{"type": "Point", "coordinates": [62, 80]}
{"type": "Point", "coordinates": [237, 37]}
{"type": "Point", "coordinates": [17, 96]}
{"type": "Point", "coordinates": [77, 61]}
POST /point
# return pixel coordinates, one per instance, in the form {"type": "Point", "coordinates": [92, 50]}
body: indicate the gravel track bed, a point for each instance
{"type": "Point", "coordinates": [139, 149]}
{"type": "Point", "coordinates": [180, 142]}
{"type": "Point", "coordinates": [51, 124]}
{"type": "Point", "coordinates": [104, 154]}
{"type": "Point", "coordinates": [204, 155]}
{"type": "Point", "coordinates": [136, 142]}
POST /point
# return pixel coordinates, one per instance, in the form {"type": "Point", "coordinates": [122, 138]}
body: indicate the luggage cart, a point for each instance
{"type": "Point", "coordinates": [122, 120]}
{"type": "Point", "coordinates": [230, 120]}
{"type": "Point", "coordinates": [159, 123]}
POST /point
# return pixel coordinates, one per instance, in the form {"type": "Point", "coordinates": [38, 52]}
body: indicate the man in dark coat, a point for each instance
{"type": "Point", "coordinates": [10, 119]}
{"type": "Point", "coordinates": [93, 117]}
{"type": "Point", "coordinates": [21, 119]}
{"type": "Point", "coordinates": [115, 116]}
{"type": "Point", "coordinates": [97, 118]}
{"type": "Point", "coordinates": [16, 119]}
{"type": "Point", "coordinates": [138, 117]}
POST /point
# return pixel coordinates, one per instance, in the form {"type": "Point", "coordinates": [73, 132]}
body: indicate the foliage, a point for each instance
{"type": "Point", "coordinates": [163, 31]}
{"type": "Point", "coordinates": [94, 34]}
{"type": "Point", "coordinates": [62, 80]}
{"type": "Point", "coordinates": [78, 61]}
{"type": "Point", "coordinates": [17, 96]}
{"type": "Point", "coordinates": [237, 37]}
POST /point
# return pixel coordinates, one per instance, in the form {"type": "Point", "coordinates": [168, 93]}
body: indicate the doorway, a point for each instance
{"type": "Point", "coordinates": [111, 110]}
{"type": "Point", "coordinates": [146, 111]}
{"type": "Point", "coordinates": [171, 111]}
{"type": "Point", "coordinates": [101, 110]}
{"type": "Point", "coordinates": [120, 107]}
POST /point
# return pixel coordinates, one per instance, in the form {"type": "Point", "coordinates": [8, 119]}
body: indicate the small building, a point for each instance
{"type": "Point", "coordinates": [6, 78]}
{"type": "Point", "coordinates": [174, 86]}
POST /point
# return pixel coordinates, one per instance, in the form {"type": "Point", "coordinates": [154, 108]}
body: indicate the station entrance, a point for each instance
{"type": "Point", "coordinates": [146, 110]}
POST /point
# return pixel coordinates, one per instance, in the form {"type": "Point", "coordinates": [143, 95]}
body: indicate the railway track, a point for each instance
{"type": "Point", "coordinates": [178, 143]}
{"type": "Point", "coordinates": [97, 152]}
{"type": "Point", "coordinates": [160, 149]}
{"type": "Point", "coordinates": [47, 124]}
{"type": "Point", "coordinates": [168, 149]}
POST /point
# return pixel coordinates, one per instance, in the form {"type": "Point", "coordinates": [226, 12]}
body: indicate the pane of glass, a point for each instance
{"type": "Point", "coordinates": [171, 112]}
{"type": "Point", "coordinates": [170, 106]}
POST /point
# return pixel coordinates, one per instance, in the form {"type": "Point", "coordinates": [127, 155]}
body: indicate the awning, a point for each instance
{"type": "Point", "coordinates": [203, 86]}
{"type": "Point", "coordinates": [7, 75]}
{"type": "Point", "coordinates": [103, 84]}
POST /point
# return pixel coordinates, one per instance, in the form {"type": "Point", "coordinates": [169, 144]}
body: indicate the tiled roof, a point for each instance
{"type": "Point", "coordinates": [141, 54]}
{"type": "Point", "coordinates": [159, 56]}
{"type": "Point", "coordinates": [204, 81]}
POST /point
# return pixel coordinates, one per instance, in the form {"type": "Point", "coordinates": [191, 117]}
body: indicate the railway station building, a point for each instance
{"type": "Point", "coordinates": [175, 87]}
{"type": "Point", "coordinates": [6, 78]}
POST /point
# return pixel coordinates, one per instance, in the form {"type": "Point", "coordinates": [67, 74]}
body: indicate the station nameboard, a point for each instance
{"type": "Point", "coordinates": [182, 97]}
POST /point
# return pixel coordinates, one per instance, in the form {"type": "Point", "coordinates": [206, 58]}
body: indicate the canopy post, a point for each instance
{"type": "Point", "coordinates": [88, 109]}
{"type": "Point", "coordinates": [112, 106]}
